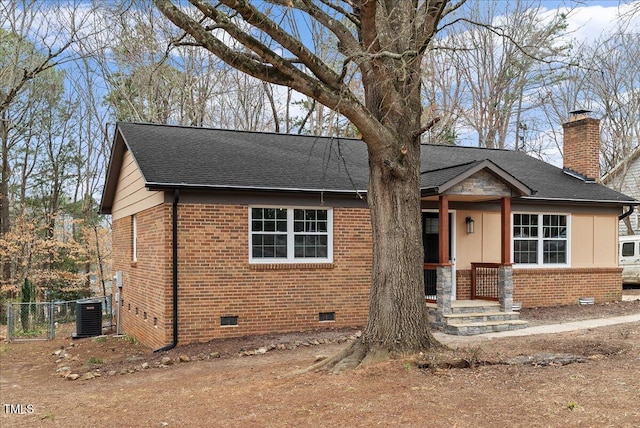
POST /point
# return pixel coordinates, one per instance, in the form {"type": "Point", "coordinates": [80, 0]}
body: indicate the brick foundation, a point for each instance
{"type": "Point", "coordinates": [550, 287]}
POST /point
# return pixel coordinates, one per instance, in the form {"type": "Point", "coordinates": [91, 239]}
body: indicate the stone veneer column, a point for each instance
{"type": "Point", "coordinates": [505, 287]}
{"type": "Point", "coordinates": [443, 291]}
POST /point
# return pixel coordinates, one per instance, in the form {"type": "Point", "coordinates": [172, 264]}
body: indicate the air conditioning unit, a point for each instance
{"type": "Point", "coordinates": [88, 318]}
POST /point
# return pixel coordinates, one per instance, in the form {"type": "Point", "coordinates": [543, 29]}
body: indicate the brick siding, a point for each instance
{"type": "Point", "coordinates": [581, 147]}
{"type": "Point", "coordinates": [463, 284]}
{"type": "Point", "coordinates": [215, 279]}
{"type": "Point", "coordinates": [550, 287]}
{"type": "Point", "coordinates": [146, 283]}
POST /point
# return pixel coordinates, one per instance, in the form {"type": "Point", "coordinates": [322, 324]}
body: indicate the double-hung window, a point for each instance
{"type": "Point", "coordinates": [290, 235]}
{"type": "Point", "coordinates": [540, 239]}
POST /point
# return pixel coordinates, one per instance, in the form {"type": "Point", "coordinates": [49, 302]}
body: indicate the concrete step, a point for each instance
{"type": "Point", "coordinates": [473, 328]}
{"type": "Point", "coordinates": [468, 307]}
{"type": "Point", "coordinates": [470, 317]}
{"type": "Point", "coordinates": [475, 317]}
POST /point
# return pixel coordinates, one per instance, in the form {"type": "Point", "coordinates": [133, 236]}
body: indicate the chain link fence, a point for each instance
{"type": "Point", "coordinates": [41, 320]}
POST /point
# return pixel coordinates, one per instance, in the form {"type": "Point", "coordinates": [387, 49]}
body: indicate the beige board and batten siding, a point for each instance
{"type": "Point", "coordinates": [131, 195]}
{"type": "Point", "coordinates": [594, 240]}
{"type": "Point", "coordinates": [482, 246]}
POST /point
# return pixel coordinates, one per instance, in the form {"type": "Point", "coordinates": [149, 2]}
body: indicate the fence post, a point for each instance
{"type": "Point", "coordinates": [9, 326]}
{"type": "Point", "coordinates": [52, 322]}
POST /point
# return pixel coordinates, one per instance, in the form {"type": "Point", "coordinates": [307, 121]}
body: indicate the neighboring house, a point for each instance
{"type": "Point", "coordinates": [272, 231]}
{"type": "Point", "coordinates": [625, 177]}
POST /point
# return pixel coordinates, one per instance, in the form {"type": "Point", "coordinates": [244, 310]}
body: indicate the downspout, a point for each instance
{"type": "Point", "coordinates": [627, 214]}
{"type": "Point", "coordinates": [176, 198]}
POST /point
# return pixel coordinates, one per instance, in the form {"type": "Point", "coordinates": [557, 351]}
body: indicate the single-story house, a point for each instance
{"type": "Point", "coordinates": [222, 233]}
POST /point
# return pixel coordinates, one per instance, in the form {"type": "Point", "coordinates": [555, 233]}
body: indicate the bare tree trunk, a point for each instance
{"type": "Point", "coordinates": [104, 288]}
{"type": "Point", "coordinates": [268, 91]}
{"type": "Point", "coordinates": [5, 225]}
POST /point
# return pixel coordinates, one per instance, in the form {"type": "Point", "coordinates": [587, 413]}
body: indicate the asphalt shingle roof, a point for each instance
{"type": "Point", "coordinates": [547, 181]}
{"type": "Point", "coordinates": [432, 178]}
{"type": "Point", "coordinates": [175, 156]}
{"type": "Point", "coordinates": [201, 157]}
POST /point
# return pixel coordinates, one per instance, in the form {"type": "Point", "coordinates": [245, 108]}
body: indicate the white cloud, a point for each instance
{"type": "Point", "coordinates": [589, 22]}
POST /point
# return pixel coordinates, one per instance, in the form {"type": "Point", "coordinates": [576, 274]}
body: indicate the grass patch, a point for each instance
{"type": "Point", "coordinates": [131, 340]}
{"type": "Point", "coordinates": [32, 333]}
{"type": "Point", "coordinates": [95, 361]}
{"type": "Point", "coordinates": [572, 405]}
{"type": "Point", "coordinates": [48, 415]}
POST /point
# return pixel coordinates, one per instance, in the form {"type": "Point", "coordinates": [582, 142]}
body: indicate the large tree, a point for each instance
{"type": "Point", "coordinates": [384, 42]}
{"type": "Point", "coordinates": [36, 39]}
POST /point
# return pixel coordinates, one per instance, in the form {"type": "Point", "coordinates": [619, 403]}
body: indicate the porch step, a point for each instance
{"type": "Point", "coordinates": [471, 317]}
{"type": "Point", "coordinates": [480, 317]}
{"type": "Point", "coordinates": [473, 328]}
{"type": "Point", "coordinates": [473, 306]}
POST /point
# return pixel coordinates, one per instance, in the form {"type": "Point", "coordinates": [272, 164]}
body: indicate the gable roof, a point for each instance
{"type": "Point", "coordinates": [440, 180]}
{"type": "Point", "coordinates": [171, 157]}
{"type": "Point", "coordinates": [548, 182]}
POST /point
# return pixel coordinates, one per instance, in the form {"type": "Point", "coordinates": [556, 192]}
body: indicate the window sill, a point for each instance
{"type": "Point", "coordinates": [547, 266]}
{"type": "Point", "coordinates": [290, 266]}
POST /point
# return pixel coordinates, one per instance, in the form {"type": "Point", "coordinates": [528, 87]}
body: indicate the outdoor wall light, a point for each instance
{"type": "Point", "coordinates": [470, 225]}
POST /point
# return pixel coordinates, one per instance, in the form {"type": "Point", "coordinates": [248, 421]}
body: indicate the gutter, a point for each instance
{"type": "Point", "coordinates": [627, 214]}
{"type": "Point", "coordinates": [174, 343]}
{"type": "Point", "coordinates": [163, 186]}
{"type": "Point", "coordinates": [588, 201]}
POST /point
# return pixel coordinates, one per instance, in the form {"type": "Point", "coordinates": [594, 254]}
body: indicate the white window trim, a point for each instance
{"type": "Point", "coordinates": [540, 264]}
{"type": "Point", "coordinates": [291, 237]}
{"type": "Point", "coordinates": [134, 238]}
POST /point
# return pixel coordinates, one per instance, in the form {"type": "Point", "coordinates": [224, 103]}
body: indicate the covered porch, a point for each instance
{"type": "Point", "coordinates": [488, 304]}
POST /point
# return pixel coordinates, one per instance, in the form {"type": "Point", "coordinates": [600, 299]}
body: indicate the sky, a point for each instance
{"type": "Point", "coordinates": [587, 19]}
{"type": "Point", "coordinates": [590, 20]}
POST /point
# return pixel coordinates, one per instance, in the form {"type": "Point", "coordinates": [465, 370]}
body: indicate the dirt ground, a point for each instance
{"type": "Point", "coordinates": [588, 378]}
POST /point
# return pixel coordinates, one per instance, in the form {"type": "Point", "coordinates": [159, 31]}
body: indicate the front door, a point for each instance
{"type": "Point", "coordinates": [431, 244]}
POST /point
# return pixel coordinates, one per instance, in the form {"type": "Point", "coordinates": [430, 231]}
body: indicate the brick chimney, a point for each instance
{"type": "Point", "coordinates": [582, 144]}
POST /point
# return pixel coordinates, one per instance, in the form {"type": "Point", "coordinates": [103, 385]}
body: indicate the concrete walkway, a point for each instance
{"type": "Point", "coordinates": [540, 329]}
